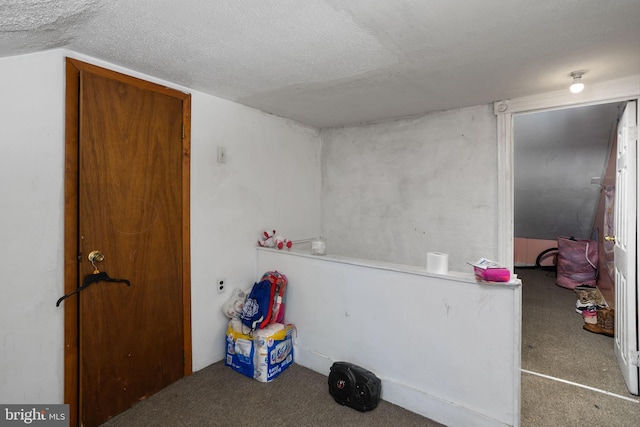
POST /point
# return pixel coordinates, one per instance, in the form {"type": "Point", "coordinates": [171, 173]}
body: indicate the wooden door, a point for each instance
{"type": "Point", "coordinates": [625, 249]}
{"type": "Point", "coordinates": [132, 340]}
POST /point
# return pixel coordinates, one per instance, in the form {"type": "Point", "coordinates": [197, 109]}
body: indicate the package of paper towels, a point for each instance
{"type": "Point", "coordinates": [437, 262]}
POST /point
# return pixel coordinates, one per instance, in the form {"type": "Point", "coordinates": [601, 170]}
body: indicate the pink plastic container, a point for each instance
{"type": "Point", "coordinates": [492, 274]}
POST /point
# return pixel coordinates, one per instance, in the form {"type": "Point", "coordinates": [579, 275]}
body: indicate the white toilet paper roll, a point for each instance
{"type": "Point", "coordinates": [437, 262]}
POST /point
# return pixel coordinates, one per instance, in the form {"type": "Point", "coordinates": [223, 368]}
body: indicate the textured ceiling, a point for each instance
{"type": "Point", "coordinates": [335, 62]}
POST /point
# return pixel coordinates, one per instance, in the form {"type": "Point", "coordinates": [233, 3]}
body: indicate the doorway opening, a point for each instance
{"type": "Point", "coordinates": [564, 184]}
{"type": "Point", "coordinates": [563, 162]}
{"type": "Point", "coordinates": [616, 91]}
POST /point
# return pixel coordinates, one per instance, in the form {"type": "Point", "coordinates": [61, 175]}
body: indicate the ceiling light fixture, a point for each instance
{"type": "Point", "coordinates": [577, 85]}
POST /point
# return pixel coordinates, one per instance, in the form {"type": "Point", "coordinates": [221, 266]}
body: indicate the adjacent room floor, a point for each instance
{"type": "Point", "coordinates": [570, 377]}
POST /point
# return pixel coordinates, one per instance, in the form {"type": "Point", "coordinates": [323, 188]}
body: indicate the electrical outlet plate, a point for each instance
{"type": "Point", "coordinates": [220, 284]}
{"type": "Point", "coordinates": [222, 155]}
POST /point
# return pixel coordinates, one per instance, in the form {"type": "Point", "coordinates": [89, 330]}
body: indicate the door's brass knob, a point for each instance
{"type": "Point", "coordinates": [609, 238]}
{"type": "Point", "coordinates": [96, 256]}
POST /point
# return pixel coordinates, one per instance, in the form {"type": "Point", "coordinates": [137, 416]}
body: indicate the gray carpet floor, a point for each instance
{"type": "Point", "coordinates": [554, 344]}
{"type": "Point", "coordinates": [219, 396]}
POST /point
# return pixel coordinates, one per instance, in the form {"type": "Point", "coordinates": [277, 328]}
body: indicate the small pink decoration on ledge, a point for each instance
{"type": "Point", "coordinates": [270, 239]}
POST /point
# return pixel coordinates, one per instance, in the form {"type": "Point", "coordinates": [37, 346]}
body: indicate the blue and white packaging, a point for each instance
{"type": "Point", "coordinates": [263, 356]}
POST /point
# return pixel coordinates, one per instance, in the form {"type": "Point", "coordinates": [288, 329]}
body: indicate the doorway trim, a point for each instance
{"type": "Point", "coordinates": [73, 67]}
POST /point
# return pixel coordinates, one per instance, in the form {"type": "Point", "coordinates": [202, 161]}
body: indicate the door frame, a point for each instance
{"type": "Point", "coordinates": [71, 205]}
{"type": "Point", "coordinates": [620, 90]}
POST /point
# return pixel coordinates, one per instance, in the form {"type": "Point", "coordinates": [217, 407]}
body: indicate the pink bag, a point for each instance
{"type": "Point", "coordinates": [577, 262]}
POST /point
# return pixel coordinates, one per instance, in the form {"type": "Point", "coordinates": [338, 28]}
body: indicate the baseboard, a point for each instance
{"type": "Point", "coordinates": [523, 264]}
{"type": "Point", "coordinates": [410, 398]}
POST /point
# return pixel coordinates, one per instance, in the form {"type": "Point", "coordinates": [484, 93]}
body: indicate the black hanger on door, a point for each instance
{"type": "Point", "coordinates": [90, 279]}
{"type": "Point", "coordinates": [95, 277]}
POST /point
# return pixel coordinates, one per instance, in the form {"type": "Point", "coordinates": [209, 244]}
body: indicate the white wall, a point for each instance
{"type": "Point", "coordinates": [444, 346]}
{"type": "Point", "coordinates": [271, 180]}
{"type": "Point", "coordinates": [31, 226]}
{"type": "Point", "coordinates": [395, 190]}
